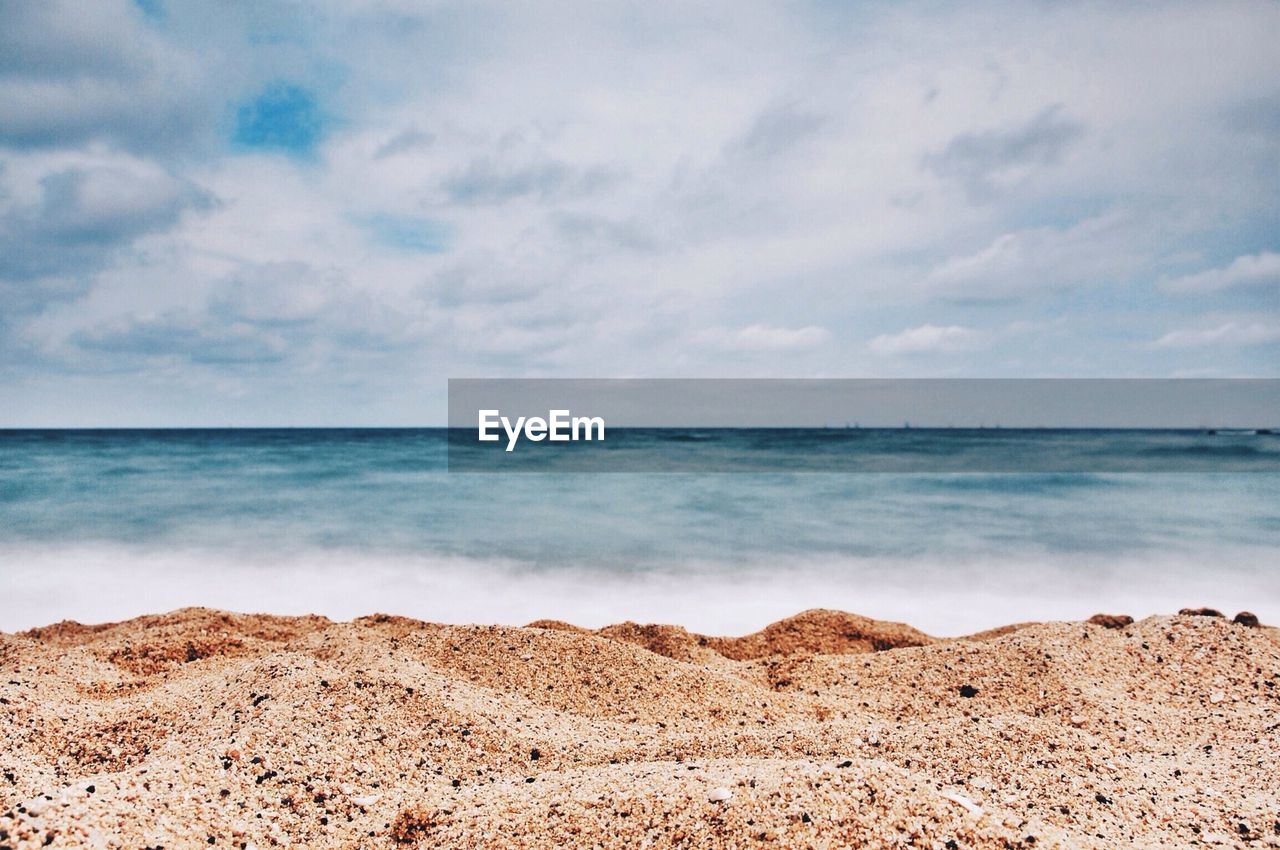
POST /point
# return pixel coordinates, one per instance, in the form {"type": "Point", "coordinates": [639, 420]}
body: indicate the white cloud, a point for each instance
{"type": "Point", "coordinates": [1227, 335]}
{"type": "Point", "coordinates": [1002, 256]}
{"type": "Point", "coordinates": [762, 338]}
{"type": "Point", "coordinates": [1246, 270]}
{"type": "Point", "coordinates": [74, 215]}
{"type": "Point", "coordinates": [986, 163]}
{"type": "Point", "coordinates": [73, 72]}
{"type": "Point", "coordinates": [1098, 251]}
{"type": "Point", "coordinates": [928, 339]}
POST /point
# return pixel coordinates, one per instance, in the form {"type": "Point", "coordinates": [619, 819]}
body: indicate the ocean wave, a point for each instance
{"type": "Point", "coordinates": [1062, 483]}
{"type": "Point", "coordinates": [1206, 450]}
{"type": "Point", "coordinates": [942, 595]}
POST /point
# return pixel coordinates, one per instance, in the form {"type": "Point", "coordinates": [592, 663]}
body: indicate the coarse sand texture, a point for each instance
{"type": "Point", "coordinates": [204, 728]}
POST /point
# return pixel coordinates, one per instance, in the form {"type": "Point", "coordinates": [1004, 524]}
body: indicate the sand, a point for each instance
{"type": "Point", "coordinates": [200, 728]}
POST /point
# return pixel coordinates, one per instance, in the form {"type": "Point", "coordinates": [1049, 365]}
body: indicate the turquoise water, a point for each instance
{"type": "Point", "coordinates": [102, 524]}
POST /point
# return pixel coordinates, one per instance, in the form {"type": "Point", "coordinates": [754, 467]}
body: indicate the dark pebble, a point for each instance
{"type": "Point", "coordinates": [1245, 618]}
{"type": "Point", "coordinates": [968, 691]}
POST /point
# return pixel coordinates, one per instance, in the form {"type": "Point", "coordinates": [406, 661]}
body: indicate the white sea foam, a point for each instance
{"type": "Point", "coordinates": [40, 584]}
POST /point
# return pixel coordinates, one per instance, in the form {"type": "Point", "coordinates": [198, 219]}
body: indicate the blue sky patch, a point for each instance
{"type": "Point", "coordinates": [407, 232]}
{"type": "Point", "coordinates": [150, 8]}
{"type": "Point", "coordinates": [283, 117]}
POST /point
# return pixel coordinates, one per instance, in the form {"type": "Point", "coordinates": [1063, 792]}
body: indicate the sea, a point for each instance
{"type": "Point", "coordinates": [99, 525]}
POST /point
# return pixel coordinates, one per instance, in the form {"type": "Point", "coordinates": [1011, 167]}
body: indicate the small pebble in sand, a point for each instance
{"type": "Point", "coordinates": [1217, 697]}
{"type": "Point", "coordinates": [720, 794]}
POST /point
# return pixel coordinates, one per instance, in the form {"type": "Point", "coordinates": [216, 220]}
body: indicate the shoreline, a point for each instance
{"type": "Point", "coordinates": [823, 729]}
{"type": "Point", "coordinates": [968, 592]}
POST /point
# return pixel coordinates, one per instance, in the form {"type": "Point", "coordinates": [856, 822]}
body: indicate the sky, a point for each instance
{"type": "Point", "coordinates": [278, 213]}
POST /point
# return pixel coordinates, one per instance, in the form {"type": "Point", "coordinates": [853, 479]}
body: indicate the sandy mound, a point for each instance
{"type": "Point", "coordinates": [814, 631]}
{"type": "Point", "coordinates": [823, 730]}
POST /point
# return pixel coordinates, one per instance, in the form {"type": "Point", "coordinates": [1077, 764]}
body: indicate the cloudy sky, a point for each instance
{"type": "Point", "coordinates": [287, 213]}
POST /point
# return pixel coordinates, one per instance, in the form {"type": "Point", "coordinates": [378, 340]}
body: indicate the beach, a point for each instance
{"type": "Point", "coordinates": [603, 425]}
{"type": "Point", "coordinates": [202, 727]}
